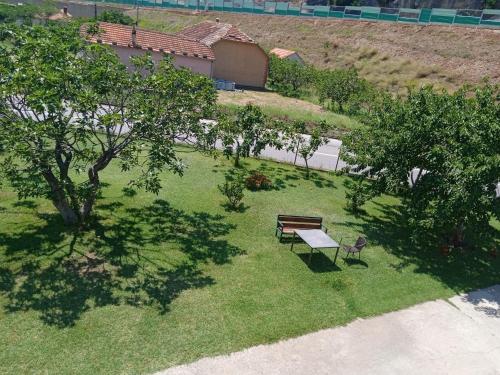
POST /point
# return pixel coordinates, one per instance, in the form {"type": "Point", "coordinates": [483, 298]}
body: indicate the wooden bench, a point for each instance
{"type": "Point", "coordinates": [286, 224]}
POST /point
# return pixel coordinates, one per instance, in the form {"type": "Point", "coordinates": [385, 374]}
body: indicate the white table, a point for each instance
{"type": "Point", "coordinates": [316, 239]}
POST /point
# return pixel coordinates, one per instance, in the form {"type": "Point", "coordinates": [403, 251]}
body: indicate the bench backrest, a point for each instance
{"type": "Point", "coordinates": [300, 219]}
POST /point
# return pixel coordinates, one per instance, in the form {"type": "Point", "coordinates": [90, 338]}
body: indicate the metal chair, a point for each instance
{"type": "Point", "coordinates": [356, 248]}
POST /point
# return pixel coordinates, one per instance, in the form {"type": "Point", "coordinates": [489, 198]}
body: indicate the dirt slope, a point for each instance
{"type": "Point", "coordinates": [390, 55]}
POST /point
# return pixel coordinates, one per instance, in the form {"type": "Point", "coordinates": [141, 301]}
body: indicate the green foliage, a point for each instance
{"type": "Point", "coordinates": [303, 144]}
{"type": "Point", "coordinates": [288, 77]}
{"type": "Point", "coordinates": [342, 87]}
{"type": "Point", "coordinates": [490, 4]}
{"type": "Point", "coordinates": [115, 16]}
{"type": "Point", "coordinates": [450, 142]}
{"type": "Point", "coordinates": [247, 133]}
{"type": "Point", "coordinates": [233, 189]}
{"type": "Point", "coordinates": [357, 194]}
{"type": "Point", "coordinates": [258, 181]}
{"type": "Point", "coordinates": [69, 108]}
{"type": "Point", "coordinates": [13, 13]}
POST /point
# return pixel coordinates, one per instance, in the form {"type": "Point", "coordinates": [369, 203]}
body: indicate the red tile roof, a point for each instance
{"type": "Point", "coordinates": [121, 35]}
{"type": "Point", "coordinates": [210, 32]}
{"type": "Point", "coordinates": [282, 53]}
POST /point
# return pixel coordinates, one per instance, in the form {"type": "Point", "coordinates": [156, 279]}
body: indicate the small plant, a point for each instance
{"type": "Point", "coordinates": [258, 181]}
{"type": "Point", "coordinates": [357, 194]}
{"type": "Point", "coordinates": [232, 189]}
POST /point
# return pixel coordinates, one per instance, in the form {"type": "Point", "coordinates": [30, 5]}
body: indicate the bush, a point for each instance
{"type": "Point", "coordinates": [288, 77]}
{"type": "Point", "coordinates": [342, 88]}
{"type": "Point", "coordinates": [258, 181]}
{"type": "Point", "coordinates": [233, 191]}
{"type": "Point", "coordinates": [114, 16]}
{"type": "Point", "coordinates": [357, 194]}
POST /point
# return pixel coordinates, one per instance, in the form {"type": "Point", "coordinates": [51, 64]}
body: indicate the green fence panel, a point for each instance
{"type": "Point", "coordinates": [491, 17]}
{"type": "Point", "coordinates": [370, 15]}
{"type": "Point", "coordinates": [425, 15]}
{"type": "Point", "coordinates": [322, 11]}
{"type": "Point", "coordinates": [281, 8]}
{"type": "Point", "coordinates": [293, 11]}
{"type": "Point", "coordinates": [467, 20]}
{"type": "Point", "coordinates": [439, 15]}
{"type": "Point", "coordinates": [388, 17]}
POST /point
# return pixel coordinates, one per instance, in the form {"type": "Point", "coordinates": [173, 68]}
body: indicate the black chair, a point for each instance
{"type": "Point", "coordinates": [356, 248]}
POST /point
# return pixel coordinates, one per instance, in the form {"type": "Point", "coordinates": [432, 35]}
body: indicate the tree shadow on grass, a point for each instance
{"type": "Point", "coordinates": [461, 270]}
{"type": "Point", "coordinates": [143, 256]}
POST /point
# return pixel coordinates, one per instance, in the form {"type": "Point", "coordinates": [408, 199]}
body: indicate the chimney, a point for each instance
{"type": "Point", "coordinates": [134, 36]}
{"type": "Point", "coordinates": [65, 10]}
{"type": "Point", "coordinates": [217, 20]}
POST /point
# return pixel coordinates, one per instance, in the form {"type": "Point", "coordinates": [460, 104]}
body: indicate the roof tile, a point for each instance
{"type": "Point", "coordinates": [121, 35]}
{"type": "Point", "coordinates": [209, 32]}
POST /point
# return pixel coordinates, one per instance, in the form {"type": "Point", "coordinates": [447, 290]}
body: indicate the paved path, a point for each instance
{"type": "Point", "coordinates": [458, 336]}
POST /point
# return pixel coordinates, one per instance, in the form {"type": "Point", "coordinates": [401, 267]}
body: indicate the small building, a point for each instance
{"type": "Point", "coordinates": [237, 57]}
{"type": "Point", "coordinates": [214, 49]}
{"type": "Point", "coordinates": [287, 54]}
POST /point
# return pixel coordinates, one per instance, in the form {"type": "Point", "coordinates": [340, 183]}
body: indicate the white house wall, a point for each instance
{"type": "Point", "coordinates": [201, 66]}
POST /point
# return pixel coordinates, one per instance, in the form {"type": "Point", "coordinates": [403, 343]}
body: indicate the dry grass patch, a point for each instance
{"type": "Point", "coordinates": [445, 57]}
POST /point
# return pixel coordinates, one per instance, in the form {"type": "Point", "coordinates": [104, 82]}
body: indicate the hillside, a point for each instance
{"type": "Point", "coordinates": [389, 55]}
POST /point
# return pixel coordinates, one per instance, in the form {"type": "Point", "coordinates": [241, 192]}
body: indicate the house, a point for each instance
{"type": "Point", "coordinates": [128, 41]}
{"type": "Point", "coordinates": [237, 57]}
{"type": "Point", "coordinates": [287, 54]}
{"type": "Point", "coordinates": [214, 49]}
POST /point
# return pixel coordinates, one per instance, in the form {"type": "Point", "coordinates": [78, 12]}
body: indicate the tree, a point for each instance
{"type": "Point", "coordinates": [303, 144]}
{"type": "Point", "coordinates": [69, 108]}
{"type": "Point", "coordinates": [247, 134]}
{"type": "Point", "coordinates": [449, 143]}
{"type": "Point", "coordinates": [340, 86]}
{"type": "Point", "coordinates": [288, 77]}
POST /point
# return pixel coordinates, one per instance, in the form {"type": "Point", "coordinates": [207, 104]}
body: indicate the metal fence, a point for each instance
{"type": "Point", "coordinates": [463, 17]}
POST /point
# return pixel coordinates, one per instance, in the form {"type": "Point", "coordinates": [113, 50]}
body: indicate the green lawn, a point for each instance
{"type": "Point", "coordinates": [183, 278]}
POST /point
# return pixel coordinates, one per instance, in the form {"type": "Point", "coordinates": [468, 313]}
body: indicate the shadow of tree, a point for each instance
{"type": "Point", "coordinates": [144, 256]}
{"type": "Point", "coordinates": [461, 270]}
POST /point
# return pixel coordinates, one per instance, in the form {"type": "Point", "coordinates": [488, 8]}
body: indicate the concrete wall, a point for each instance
{"type": "Point", "coordinates": [201, 66]}
{"type": "Point", "coordinates": [244, 63]}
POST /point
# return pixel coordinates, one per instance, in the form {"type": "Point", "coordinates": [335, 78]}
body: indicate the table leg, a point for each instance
{"type": "Point", "coordinates": [310, 255]}
{"type": "Point", "coordinates": [336, 254]}
{"type": "Point", "coordinates": [293, 241]}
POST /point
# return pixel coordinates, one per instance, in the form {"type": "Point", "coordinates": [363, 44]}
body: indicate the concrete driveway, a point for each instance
{"type": "Point", "coordinates": [456, 336]}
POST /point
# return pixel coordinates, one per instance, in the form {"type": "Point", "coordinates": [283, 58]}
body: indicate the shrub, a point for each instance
{"type": "Point", "coordinates": [357, 194]}
{"type": "Point", "coordinates": [341, 88]}
{"type": "Point", "coordinates": [288, 77]}
{"type": "Point", "coordinates": [233, 191]}
{"type": "Point", "coordinates": [114, 16]}
{"type": "Point", "coordinates": [258, 181]}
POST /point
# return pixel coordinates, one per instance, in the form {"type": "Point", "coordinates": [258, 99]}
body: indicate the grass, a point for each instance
{"type": "Point", "coordinates": [277, 106]}
{"type": "Point", "coordinates": [162, 280]}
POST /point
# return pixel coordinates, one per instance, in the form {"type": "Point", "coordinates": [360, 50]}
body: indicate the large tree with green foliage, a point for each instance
{"type": "Point", "coordinates": [69, 108]}
{"type": "Point", "coordinates": [450, 142]}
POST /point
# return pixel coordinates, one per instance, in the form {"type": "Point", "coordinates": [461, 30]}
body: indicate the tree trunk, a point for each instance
{"type": "Point", "coordinates": [237, 155]}
{"type": "Point", "coordinates": [307, 168]}
{"type": "Point", "coordinates": [60, 200]}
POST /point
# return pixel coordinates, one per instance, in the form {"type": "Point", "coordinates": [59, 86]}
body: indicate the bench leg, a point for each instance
{"type": "Point", "coordinates": [293, 241]}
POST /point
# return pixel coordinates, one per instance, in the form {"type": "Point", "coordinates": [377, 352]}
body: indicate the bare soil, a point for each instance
{"type": "Point", "coordinates": [392, 56]}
